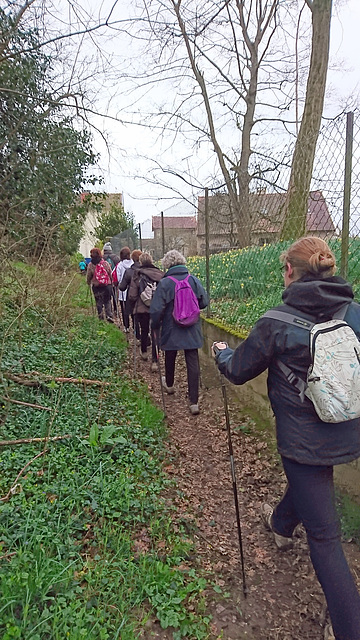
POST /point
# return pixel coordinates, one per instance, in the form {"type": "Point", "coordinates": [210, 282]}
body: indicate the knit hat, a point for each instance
{"type": "Point", "coordinates": [107, 246]}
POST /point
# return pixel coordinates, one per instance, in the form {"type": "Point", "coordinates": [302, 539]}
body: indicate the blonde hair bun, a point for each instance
{"type": "Point", "coordinates": [321, 261]}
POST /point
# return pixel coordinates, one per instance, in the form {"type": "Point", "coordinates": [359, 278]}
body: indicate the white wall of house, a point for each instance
{"type": "Point", "coordinates": [88, 240]}
{"type": "Point", "coordinates": [146, 229]}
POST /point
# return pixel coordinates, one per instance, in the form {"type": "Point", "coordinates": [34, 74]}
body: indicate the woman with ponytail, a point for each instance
{"type": "Point", "coordinates": [309, 447]}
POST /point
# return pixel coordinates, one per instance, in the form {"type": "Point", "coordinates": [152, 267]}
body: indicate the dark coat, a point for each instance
{"type": "Point", "coordinates": [112, 256]}
{"type": "Point", "coordinates": [174, 337]}
{"type": "Point", "coordinates": [125, 285]}
{"type": "Point", "coordinates": [151, 272]}
{"type": "Point", "coordinates": [301, 435]}
{"type": "Point", "coordinates": [128, 274]}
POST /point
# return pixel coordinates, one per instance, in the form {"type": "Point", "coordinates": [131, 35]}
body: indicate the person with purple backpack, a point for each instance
{"type": "Point", "coordinates": [175, 313]}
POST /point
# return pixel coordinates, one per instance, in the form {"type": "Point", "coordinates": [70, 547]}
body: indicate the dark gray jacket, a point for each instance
{"type": "Point", "coordinates": [174, 337]}
{"type": "Point", "coordinates": [301, 435]}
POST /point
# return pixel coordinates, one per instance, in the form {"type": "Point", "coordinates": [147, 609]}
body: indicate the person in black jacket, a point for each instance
{"type": "Point", "coordinates": [174, 337]}
{"type": "Point", "coordinates": [308, 446]}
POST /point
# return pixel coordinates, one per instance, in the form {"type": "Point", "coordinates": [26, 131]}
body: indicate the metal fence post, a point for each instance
{"type": "Point", "coordinates": [162, 233]}
{"type": "Point", "coordinates": [347, 195]}
{"type": "Point", "coordinates": [207, 250]}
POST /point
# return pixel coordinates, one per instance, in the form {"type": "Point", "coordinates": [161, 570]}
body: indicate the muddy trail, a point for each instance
{"type": "Point", "coordinates": [284, 600]}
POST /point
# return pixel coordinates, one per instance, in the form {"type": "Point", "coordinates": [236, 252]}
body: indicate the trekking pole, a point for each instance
{"type": "Point", "coordinates": [233, 475]}
{"type": "Point", "coordinates": [92, 301]}
{"type": "Point", "coordinates": [159, 370]}
{"type": "Point", "coordinates": [134, 345]}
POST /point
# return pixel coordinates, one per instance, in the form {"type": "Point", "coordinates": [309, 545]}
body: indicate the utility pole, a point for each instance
{"type": "Point", "coordinates": [140, 238]}
{"type": "Point", "coordinates": [162, 232]}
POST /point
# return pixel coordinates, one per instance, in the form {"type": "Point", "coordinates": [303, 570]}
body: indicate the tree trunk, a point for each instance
{"type": "Point", "coordinates": [303, 159]}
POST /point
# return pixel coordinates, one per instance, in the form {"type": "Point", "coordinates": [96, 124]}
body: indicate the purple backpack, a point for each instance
{"type": "Point", "coordinates": [186, 306]}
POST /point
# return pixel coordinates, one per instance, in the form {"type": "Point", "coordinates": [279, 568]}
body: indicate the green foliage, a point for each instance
{"type": "Point", "coordinates": [74, 528]}
{"type": "Point", "coordinates": [113, 221]}
{"type": "Point", "coordinates": [43, 157]}
{"type": "Point", "coordinates": [349, 512]}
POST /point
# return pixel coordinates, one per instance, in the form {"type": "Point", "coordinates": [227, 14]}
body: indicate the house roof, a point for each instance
{"type": "Point", "coordinates": [266, 210]}
{"type": "Point", "coordinates": [174, 222]}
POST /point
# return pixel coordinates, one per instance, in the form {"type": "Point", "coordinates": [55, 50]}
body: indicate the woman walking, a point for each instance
{"type": "Point", "coordinates": [125, 263]}
{"type": "Point", "coordinates": [98, 276]}
{"type": "Point", "coordinates": [147, 273]}
{"type": "Point", "coordinates": [309, 447]}
{"type": "Point", "coordinates": [173, 336]}
{"type": "Point", "coordinates": [124, 285]}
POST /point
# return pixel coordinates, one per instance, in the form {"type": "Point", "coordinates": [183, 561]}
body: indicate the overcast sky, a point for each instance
{"type": "Point", "coordinates": [145, 200]}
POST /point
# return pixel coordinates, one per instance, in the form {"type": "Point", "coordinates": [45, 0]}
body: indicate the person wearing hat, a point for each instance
{"type": "Point", "coordinates": [113, 260]}
{"type": "Point", "coordinates": [110, 256]}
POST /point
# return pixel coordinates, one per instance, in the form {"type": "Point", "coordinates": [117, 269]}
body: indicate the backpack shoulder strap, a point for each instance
{"type": "Point", "coordinates": [341, 313]}
{"type": "Point", "coordinates": [289, 318]}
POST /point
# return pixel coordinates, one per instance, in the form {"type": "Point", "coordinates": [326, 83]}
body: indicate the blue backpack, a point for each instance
{"type": "Point", "coordinates": [186, 310]}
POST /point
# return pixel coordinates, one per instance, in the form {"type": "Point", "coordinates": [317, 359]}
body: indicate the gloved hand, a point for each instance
{"type": "Point", "coordinates": [217, 347]}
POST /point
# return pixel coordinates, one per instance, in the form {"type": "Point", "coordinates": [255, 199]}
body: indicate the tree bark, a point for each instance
{"type": "Point", "coordinates": [296, 208]}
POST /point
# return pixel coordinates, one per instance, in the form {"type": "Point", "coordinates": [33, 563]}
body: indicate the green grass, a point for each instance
{"type": "Point", "coordinates": [87, 544]}
{"type": "Point", "coordinates": [349, 512]}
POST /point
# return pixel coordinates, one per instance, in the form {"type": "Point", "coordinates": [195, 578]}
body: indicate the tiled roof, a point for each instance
{"type": "Point", "coordinates": [267, 211]}
{"type": "Point", "coordinates": [174, 222]}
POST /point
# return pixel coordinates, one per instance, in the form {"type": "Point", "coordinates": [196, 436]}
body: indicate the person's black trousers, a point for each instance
{"type": "Point", "coordinates": [102, 295]}
{"type": "Point", "coordinates": [310, 499]}
{"type": "Point", "coordinates": [192, 368]}
{"type": "Point", "coordinates": [144, 323]}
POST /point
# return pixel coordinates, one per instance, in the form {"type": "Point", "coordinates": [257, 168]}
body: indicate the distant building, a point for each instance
{"type": "Point", "coordinates": [265, 220]}
{"type": "Point", "coordinates": [146, 229]}
{"type": "Point", "coordinates": [179, 232]}
{"type": "Point", "coordinates": [89, 238]}
{"type": "Point", "coordinates": [182, 208]}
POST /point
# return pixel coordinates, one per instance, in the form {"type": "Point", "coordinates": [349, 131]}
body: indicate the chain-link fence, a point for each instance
{"type": "Point", "coordinates": [244, 282]}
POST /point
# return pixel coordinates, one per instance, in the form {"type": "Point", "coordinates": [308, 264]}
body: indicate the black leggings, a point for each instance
{"type": "Point", "coordinates": [192, 368]}
{"type": "Point", "coordinates": [144, 323]}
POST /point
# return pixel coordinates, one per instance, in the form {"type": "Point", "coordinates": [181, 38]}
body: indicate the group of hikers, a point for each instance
{"type": "Point", "coordinates": [162, 317]}
{"type": "Point", "coordinates": [310, 346]}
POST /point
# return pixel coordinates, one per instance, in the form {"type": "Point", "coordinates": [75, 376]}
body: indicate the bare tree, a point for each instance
{"type": "Point", "coordinates": [304, 153]}
{"type": "Point", "coordinates": [243, 69]}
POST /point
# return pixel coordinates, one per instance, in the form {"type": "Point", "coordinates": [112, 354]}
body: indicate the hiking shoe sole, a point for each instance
{"type": "Point", "coordinates": [329, 632]}
{"type": "Point", "coordinates": [194, 409]}
{"type": "Point", "coordinates": [169, 390]}
{"type": "Point", "coordinates": [282, 542]}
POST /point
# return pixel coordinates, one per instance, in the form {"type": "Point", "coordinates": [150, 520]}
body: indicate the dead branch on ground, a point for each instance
{"type": "Point", "coordinates": [4, 443]}
{"type": "Point", "coordinates": [13, 488]}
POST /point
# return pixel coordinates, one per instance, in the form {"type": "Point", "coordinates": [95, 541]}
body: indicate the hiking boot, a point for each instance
{"type": "Point", "coordinates": [194, 409]}
{"type": "Point", "coordinates": [169, 390]}
{"type": "Point", "coordinates": [283, 543]}
{"type": "Point", "coordinates": [329, 632]}
{"type": "Point", "coordinates": [144, 355]}
{"type": "Point", "coordinates": [154, 367]}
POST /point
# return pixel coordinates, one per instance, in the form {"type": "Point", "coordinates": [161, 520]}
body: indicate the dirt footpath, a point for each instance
{"type": "Point", "coordinates": [284, 600]}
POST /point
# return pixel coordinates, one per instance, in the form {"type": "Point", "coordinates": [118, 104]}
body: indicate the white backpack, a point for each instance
{"type": "Point", "coordinates": [333, 379]}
